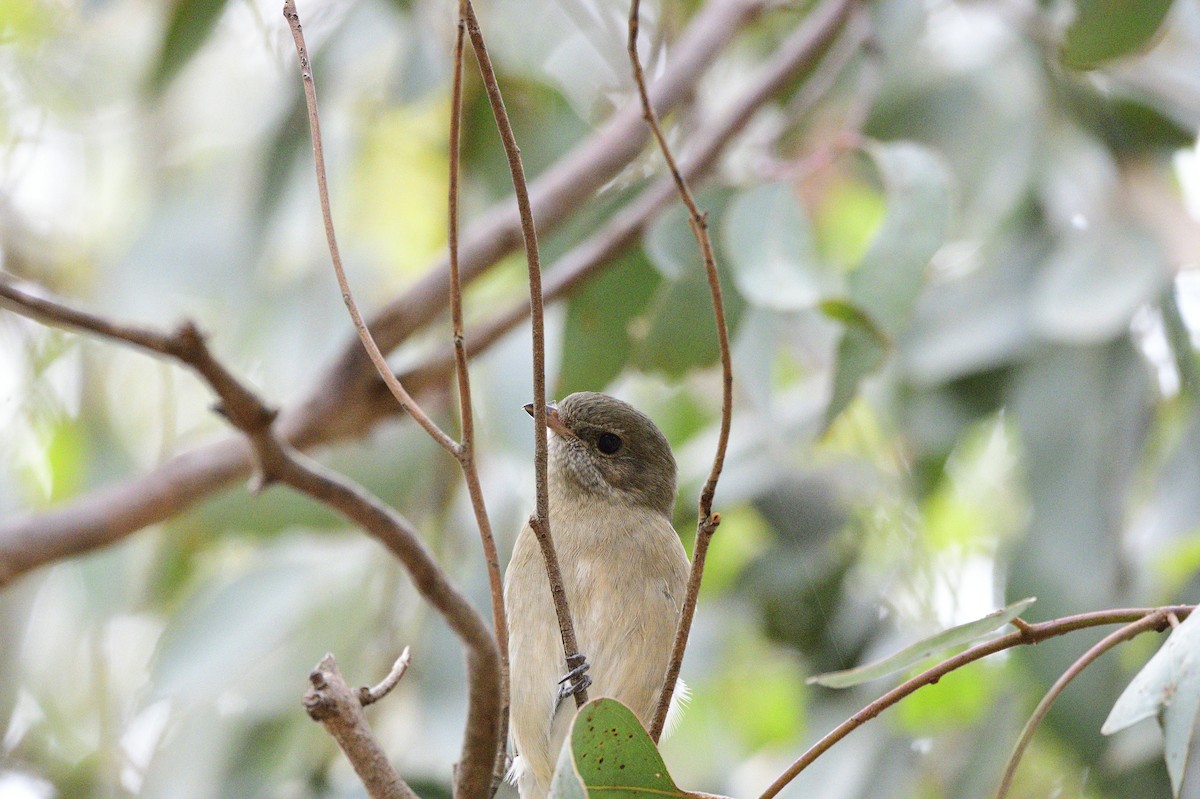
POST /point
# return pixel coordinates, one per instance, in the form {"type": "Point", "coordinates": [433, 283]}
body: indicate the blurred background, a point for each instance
{"type": "Point", "coordinates": [960, 259]}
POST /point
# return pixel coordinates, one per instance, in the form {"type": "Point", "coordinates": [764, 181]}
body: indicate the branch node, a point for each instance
{"type": "Point", "coordinates": [317, 675]}
{"type": "Point", "coordinates": [189, 333]}
{"type": "Point", "coordinates": [711, 524]}
{"type": "Point", "coordinates": [1025, 628]}
{"type": "Point", "coordinates": [370, 694]}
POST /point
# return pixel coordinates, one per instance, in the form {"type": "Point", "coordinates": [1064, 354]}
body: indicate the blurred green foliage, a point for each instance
{"type": "Point", "coordinates": [963, 298]}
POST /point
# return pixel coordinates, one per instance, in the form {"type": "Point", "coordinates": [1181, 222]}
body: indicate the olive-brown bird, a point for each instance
{"type": "Point", "coordinates": [612, 488]}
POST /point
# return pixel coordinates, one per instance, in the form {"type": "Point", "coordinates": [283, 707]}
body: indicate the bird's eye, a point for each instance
{"type": "Point", "coordinates": [609, 443]}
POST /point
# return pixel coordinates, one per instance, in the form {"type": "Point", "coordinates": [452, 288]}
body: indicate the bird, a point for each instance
{"type": "Point", "coordinates": [624, 570]}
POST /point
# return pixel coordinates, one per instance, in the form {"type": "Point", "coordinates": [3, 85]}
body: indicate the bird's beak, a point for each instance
{"type": "Point", "coordinates": [553, 421]}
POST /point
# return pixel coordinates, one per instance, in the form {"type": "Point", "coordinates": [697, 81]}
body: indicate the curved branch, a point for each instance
{"type": "Point", "coordinates": [1154, 621]}
{"type": "Point", "coordinates": [698, 220]}
{"type": "Point", "coordinates": [279, 462]}
{"type": "Point", "coordinates": [348, 400]}
{"type": "Point", "coordinates": [1029, 634]}
{"type": "Point", "coordinates": [708, 520]}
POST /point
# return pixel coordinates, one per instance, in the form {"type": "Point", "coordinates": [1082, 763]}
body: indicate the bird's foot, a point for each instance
{"type": "Point", "coordinates": [574, 680]}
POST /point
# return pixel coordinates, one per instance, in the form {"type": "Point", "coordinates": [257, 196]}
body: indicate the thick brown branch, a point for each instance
{"type": "Point", "coordinates": [1031, 634]}
{"type": "Point", "coordinates": [344, 403]}
{"type": "Point", "coordinates": [332, 702]}
{"type": "Point", "coordinates": [279, 462]}
{"type": "Point", "coordinates": [541, 520]}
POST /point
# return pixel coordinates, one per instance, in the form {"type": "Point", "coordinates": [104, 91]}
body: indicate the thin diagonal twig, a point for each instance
{"type": "Point", "coordinates": [540, 522]}
{"type": "Point", "coordinates": [364, 334]}
{"type": "Point", "coordinates": [369, 695]}
{"type": "Point", "coordinates": [341, 402]}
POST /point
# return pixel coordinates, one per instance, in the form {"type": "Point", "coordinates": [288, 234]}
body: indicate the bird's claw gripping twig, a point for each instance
{"type": "Point", "coordinates": [574, 680]}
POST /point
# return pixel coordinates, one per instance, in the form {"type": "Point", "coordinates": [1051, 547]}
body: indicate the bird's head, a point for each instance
{"type": "Point", "coordinates": [604, 446]}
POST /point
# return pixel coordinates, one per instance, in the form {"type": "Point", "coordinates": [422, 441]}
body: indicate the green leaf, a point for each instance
{"type": "Point", "coordinates": [1089, 287]}
{"type": "Point", "coordinates": [859, 354]}
{"type": "Point", "coordinates": [1167, 687]}
{"type": "Point", "coordinates": [1107, 29]}
{"type": "Point", "coordinates": [770, 246]}
{"type": "Point", "coordinates": [1181, 722]}
{"type": "Point", "coordinates": [889, 278]}
{"type": "Point", "coordinates": [608, 755]}
{"type": "Point", "coordinates": [883, 289]}
{"type": "Point", "coordinates": [230, 628]}
{"type": "Point", "coordinates": [680, 334]}
{"type": "Point", "coordinates": [596, 341]}
{"type": "Point", "coordinates": [190, 24]}
{"type": "Point", "coordinates": [914, 653]}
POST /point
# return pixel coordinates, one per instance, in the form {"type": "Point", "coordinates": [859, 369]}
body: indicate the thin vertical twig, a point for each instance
{"type": "Point", "coordinates": [540, 522]}
{"type": "Point", "coordinates": [815, 37]}
{"type": "Point", "coordinates": [1153, 621]}
{"type": "Point", "coordinates": [364, 334]}
{"type": "Point", "coordinates": [466, 414]}
{"type": "Point", "coordinates": [467, 780]}
{"type": "Point", "coordinates": [707, 521]}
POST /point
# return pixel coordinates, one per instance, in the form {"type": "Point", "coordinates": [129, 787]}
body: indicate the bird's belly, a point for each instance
{"type": "Point", "coordinates": [626, 628]}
